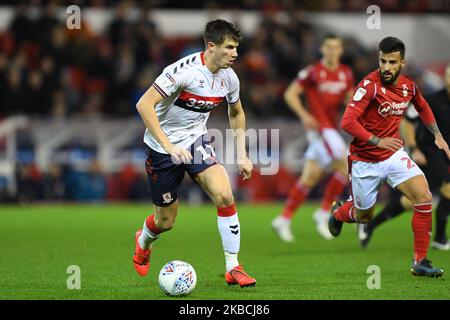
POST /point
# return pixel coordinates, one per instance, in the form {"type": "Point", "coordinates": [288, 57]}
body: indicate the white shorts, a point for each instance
{"type": "Point", "coordinates": [367, 177]}
{"type": "Point", "coordinates": [325, 146]}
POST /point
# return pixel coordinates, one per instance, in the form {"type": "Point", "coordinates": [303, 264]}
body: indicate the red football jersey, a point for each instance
{"type": "Point", "coordinates": [377, 109]}
{"type": "Point", "coordinates": [325, 91]}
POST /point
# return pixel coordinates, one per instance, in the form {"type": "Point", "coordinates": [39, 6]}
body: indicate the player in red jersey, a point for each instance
{"type": "Point", "coordinates": [326, 84]}
{"type": "Point", "coordinates": [376, 153]}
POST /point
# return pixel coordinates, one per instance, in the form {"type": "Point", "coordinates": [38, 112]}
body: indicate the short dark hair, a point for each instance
{"type": "Point", "coordinates": [330, 36]}
{"type": "Point", "coordinates": [217, 31]}
{"type": "Point", "coordinates": [392, 44]}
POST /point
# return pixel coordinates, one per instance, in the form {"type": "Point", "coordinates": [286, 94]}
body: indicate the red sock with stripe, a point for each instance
{"type": "Point", "coordinates": [150, 232]}
{"type": "Point", "coordinates": [335, 186]}
{"type": "Point", "coordinates": [421, 225]}
{"type": "Point", "coordinates": [296, 197]}
{"type": "Point", "coordinates": [346, 213]}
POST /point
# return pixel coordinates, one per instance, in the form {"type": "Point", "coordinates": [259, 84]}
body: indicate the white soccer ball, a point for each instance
{"type": "Point", "coordinates": [177, 278]}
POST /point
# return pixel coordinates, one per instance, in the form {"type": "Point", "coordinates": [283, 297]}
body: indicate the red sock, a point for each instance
{"type": "Point", "coordinates": [346, 213]}
{"type": "Point", "coordinates": [335, 186]}
{"type": "Point", "coordinates": [296, 197]}
{"type": "Point", "coordinates": [150, 222]}
{"type": "Point", "coordinates": [421, 225]}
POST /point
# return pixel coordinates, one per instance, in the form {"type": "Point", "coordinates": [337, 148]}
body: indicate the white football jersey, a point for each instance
{"type": "Point", "coordinates": [190, 92]}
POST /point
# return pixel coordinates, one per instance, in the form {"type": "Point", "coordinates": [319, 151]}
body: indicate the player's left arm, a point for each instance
{"type": "Point", "coordinates": [236, 115]}
{"type": "Point", "coordinates": [427, 117]}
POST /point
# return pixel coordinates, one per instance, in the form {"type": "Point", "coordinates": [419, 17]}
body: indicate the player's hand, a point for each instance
{"type": "Point", "coordinates": [418, 157]}
{"type": "Point", "coordinates": [180, 155]}
{"type": "Point", "coordinates": [310, 122]}
{"type": "Point", "coordinates": [245, 167]}
{"type": "Point", "coordinates": [442, 144]}
{"type": "Point", "coordinates": [391, 144]}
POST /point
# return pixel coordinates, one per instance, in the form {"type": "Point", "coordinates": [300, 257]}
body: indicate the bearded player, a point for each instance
{"type": "Point", "coordinates": [175, 110]}
{"type": "Point", "coordinates": [376, 154]}
{"type": "Point", "coordinates": [326, 85]}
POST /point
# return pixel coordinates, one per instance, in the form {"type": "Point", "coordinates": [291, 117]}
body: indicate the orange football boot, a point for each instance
{"type": "Point", "coordinates": [141, 257]}
{"type": "Point", "coordinates": [237, 275]}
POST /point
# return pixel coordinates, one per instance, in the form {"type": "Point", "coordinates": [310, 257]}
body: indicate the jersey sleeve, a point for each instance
{"type": "Point", "coordinates": [363, 96]}
{"type": "Point", "coordinates": [305, 77]}
{"type": "Point", "coordinates": [233, 94]}
{"type": "Point", "coordinates": [422, 107]}
{"type": "Point", "coordinates": [169, 81]}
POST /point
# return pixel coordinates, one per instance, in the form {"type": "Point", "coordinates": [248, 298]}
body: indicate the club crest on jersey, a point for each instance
{"type": "Point", "coordinates": [359, 94]}
{"type": "Point", "coordinates": [405, 90]}
{"type": "Point", "coordinates": [222, 83]}
{"type": "Point", "coordinates": [201, 83]}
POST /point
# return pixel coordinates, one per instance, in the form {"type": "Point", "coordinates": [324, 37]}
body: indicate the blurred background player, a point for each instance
{"type": "Point", "coordinates": [327, 85]}
{"type": "Point", "coordinates": [423, 151]}
{"type": "Point", "coordinates": [376, 153]}
{"type": "Point", "coordinates": [175, 110]}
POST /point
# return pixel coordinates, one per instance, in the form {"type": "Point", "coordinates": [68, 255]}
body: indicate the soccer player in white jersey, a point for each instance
{"type": "Point", "coordinates": [175, 110]}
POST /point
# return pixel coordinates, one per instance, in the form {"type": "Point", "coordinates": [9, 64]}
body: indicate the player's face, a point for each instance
{"type": "Point", "coordinates": [332, 50]}
{"type": "Point", "coordinates": [390, 66]}
{"type": "Point", "coordinates": [225, 53]}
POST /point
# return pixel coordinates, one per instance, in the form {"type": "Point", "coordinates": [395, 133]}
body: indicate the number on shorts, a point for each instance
{"type": "Point", "coordinates": [409, 163]}
{"type": "Point", "coordinates": [205, 155]}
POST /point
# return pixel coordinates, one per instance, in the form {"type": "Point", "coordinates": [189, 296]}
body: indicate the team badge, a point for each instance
{"type": "Point", "coordinates": [405, 90]}
{"type": "Point", "coordinates": [167, 197]}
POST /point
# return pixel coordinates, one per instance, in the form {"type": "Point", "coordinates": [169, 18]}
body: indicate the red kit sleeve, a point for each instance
{"type": "Point", "coordinates": [362, 98]}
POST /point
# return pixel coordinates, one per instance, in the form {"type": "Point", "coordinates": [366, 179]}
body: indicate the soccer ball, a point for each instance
{"type": "Point", "coordinates": [177, 278]}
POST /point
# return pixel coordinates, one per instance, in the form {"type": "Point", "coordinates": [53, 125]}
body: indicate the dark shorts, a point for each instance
{"type": "Point", "coordinates": [165, 176]}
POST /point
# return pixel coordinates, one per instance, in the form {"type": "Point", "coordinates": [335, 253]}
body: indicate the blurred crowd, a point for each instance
{"type": "Point", "coordinates": [49, 70]}
{"type": "Point", "coordinates": [272, 5]}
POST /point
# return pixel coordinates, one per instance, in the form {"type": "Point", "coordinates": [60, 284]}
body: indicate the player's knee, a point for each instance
{"type": "Point", "coordinates": [425, 197]}
{"type": "Point", "coordinates": [223, 199]}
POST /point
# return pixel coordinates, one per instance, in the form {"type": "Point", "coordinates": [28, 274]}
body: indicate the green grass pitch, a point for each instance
{"type": "Point", "coordinates": [39, 242]}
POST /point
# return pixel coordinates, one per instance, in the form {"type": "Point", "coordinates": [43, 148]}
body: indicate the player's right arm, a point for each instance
{"type": "Point", "coordinates": [292, 99]}
{"type": "Point", "coordinates": [364, 94]}
{"type": "Point", "coordinates": [146, 108]}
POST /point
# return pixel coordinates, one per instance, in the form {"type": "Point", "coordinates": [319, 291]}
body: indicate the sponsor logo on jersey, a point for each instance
{"type": "Point", "coordinates": [359, 94]}
{"type": "Point", "coordinates": [387, 108]}
{"type": "Point", "coordinates": [196, 103]}
{"type": "Point", "coordinates": [333, 87]}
